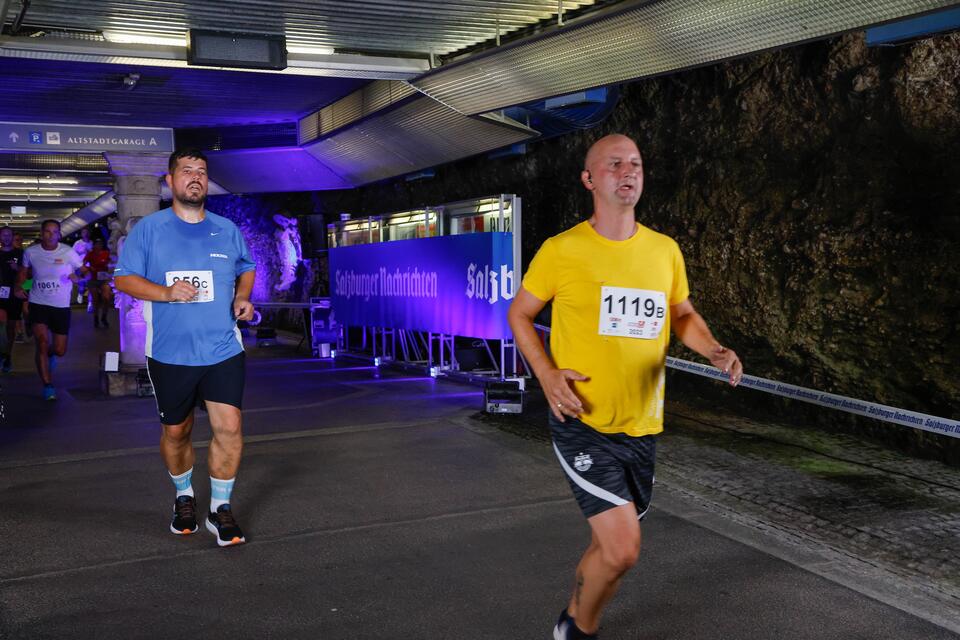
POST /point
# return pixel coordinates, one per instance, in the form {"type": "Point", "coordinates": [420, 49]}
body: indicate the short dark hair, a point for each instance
{"type": "Point", "coordinates": [187, 152]}
{"type": "Point", "coordinates": [49, 221]}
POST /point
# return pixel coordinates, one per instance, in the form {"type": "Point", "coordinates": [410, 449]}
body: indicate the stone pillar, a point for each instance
{"type": "Point", "coordinates": [137, 189]}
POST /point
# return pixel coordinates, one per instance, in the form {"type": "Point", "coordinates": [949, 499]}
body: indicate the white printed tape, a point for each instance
{"type": "Point", "coordinates": [943, 426]}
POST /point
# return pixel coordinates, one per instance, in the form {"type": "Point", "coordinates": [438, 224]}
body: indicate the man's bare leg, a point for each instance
{"type": "Point", "coordinates": [227, 443]}
{"type": "Point", "coordinates": [614, 549]}
{"type": "Point", "coordinates": [176, 446]}
{"type": "Point", "coordinates": [41, 339]}
{"type": "Point", "coordinates": [224, 460]}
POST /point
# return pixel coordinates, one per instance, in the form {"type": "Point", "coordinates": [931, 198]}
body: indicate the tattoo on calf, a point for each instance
{"type": "Point", "coordinates": [576, 596]}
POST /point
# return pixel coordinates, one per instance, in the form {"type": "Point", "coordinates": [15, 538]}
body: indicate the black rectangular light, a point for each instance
{"type": "Point", "coordinates": [239, 50]}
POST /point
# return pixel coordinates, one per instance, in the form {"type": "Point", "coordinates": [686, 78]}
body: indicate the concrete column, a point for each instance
{"type": "Point", "coordinates": [137, 188]}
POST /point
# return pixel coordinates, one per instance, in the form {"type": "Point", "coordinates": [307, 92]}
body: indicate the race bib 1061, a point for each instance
{"type": "Point", "coordinates": [632, 313]}
{"type": "Point", "coordinates": [202, 280]}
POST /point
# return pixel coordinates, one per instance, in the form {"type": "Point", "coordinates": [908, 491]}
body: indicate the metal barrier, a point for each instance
{"type": "Point", "coordinates": [310, 330]}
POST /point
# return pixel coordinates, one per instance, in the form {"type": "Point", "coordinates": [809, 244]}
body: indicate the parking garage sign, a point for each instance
{"type": "Point", "coordinates": [35, 136]}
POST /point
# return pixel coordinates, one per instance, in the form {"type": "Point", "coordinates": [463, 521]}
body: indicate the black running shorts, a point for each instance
{"type": "Point", "coordinates": [179, 387]}
{"type": "Point", "coordinates": [57, 319]}
{"type": "Point", "coordinates": [13, 306]}
{"type": "Point", "coordinates": [604, 470]}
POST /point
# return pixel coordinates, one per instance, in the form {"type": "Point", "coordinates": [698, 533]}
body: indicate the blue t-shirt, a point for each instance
{"type": "Point", "coordinates": [211, 254]}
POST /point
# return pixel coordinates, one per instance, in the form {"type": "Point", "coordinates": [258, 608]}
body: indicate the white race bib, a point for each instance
{"type": "Point", "coordinates": [632, 313]}
{"type": "Point", "coordinates": [4, 293]}
{"type": "Point", "coordinates": [202, 280]}
{"type": "Point", "coordinates": [46, 286]}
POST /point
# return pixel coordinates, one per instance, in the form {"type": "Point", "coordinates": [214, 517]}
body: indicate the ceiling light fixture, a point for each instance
{"type": "Point", "coordinates": [23, 180]}
{"type": "Point", "coordinates": [310, 50]}
{"type": "Point", "coordinates": [123, 37]}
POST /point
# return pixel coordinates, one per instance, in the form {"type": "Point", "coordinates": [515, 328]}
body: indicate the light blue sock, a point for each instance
{"type": "Point", "coordinates": [220, 492]}
{"type": "Point", "coordinates": [183, 483]}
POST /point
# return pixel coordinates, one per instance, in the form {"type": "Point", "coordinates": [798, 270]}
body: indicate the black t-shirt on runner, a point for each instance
{"type": "Point", "coordinates": [10, 263]}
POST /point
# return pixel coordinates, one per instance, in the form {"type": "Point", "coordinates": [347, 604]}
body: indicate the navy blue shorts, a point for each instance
{"type": "Point", "coordinates": [178, 388]}
{"type": "Point", "coordinates": [605, 470]}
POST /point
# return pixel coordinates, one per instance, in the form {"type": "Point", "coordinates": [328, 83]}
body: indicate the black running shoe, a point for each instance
{"type": "Point", "coordinates": [222, 525]}
{"type": "Point", "coordinates": [184, 516]}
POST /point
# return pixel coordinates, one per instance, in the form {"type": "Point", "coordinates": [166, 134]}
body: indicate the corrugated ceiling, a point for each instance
{"type": "Point", "coordinates": [414, 26]}
{"type": "Point", "coordinates": [645, 40]}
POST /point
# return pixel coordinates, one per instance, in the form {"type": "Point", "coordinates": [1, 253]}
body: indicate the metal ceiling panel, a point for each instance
{"type": "Point", "coordinates": [416, 26]}
{"type": "Point", "coordinates": [272, 170]}
{"type": "Point", "coordinates": [646, 40]}
{"type": "Point", "coordinates": [419, 134]}
{"type": "Point", "coordinates": [66, 49]}
{"type": "Point", "coordinates": [374, 97]}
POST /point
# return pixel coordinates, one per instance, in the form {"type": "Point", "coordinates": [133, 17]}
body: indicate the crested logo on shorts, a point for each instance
{"type": "Point", "coordinates": [583, 462]}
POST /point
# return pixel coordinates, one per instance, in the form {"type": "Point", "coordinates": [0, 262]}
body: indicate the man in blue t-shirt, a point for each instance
{"type": "Point", "coordinates": [193, 271]}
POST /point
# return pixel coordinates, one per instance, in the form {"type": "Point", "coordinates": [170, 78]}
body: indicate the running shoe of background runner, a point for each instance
{"type": "Point", "coordinates": [222, 525]}
{"type": "Point", "coordinates": [49, 393]}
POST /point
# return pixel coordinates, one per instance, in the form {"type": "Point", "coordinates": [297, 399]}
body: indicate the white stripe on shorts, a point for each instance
{"type": "Point", "coordinates": [589, 487]}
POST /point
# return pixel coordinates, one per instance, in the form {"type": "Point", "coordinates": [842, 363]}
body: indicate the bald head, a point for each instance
{"type": "Point", "coordinates": [613, 172]}
{"type": "Point", "coordinates": [602, 147]}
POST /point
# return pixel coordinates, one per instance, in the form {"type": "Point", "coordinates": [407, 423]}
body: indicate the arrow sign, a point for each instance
{"type": "Point", "coordinates": [38, 136]}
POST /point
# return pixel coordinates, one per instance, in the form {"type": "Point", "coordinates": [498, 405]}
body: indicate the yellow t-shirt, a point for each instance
{"type": "Point", "coordinates": [624, 393]}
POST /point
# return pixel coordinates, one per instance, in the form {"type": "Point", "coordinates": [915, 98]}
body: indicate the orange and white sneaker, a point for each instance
{"type": "Point", "coordinates": [222, 525]}
{"type": "Point", "coordinates": [184, 516]}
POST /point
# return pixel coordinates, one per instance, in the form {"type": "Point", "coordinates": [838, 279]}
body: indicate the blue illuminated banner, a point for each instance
{"type": "Point", "coordinates": [460, 285]}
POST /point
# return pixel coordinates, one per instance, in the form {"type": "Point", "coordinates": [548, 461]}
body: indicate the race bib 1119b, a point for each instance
{"type": "Point", "coordinates": [632, 313]}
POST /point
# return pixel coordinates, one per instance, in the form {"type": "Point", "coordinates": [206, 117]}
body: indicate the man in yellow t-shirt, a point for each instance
{"type": "Point", "coordinates": [618, 288]}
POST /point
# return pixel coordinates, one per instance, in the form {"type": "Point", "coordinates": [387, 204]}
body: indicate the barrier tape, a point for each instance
{"type": "Point", "coordinates": [933, 424]}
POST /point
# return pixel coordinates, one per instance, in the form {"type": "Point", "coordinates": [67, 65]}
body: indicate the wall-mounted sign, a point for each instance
{"type": "Point", "coordinates": [457, 285]}
{"type": "Point", "coordinates": [33, 136]}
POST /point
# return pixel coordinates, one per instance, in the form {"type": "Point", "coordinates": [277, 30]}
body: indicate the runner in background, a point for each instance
{"type": "Point", "coordinates": [97, 263]}
{"type": "Point", "coordinates": [82, 247]}
{"type": "Point", "coordinates": [52, 265]}
{"type": "Point", "coordinates": [11, 259]}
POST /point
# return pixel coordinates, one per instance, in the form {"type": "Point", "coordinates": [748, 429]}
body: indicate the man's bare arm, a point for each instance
{"type": "Point", "coordinates": [242, 307]}
{"type": "Point", "coordinates": [139, 287]}
{"type": "Point", "coordinates": [22, 276]}
{"type": "Point", "coordinates": [555, 382]}
{"type": "Point", "coordinates": [692, 330]}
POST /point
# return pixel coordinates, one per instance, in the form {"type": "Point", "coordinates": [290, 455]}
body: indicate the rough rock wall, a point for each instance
{"type": "Point", "coordinates": [254, 216]}
{"type": "Point", "coordinates": [814, 192]}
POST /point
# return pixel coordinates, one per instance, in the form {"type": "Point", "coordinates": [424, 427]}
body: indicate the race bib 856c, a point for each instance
{"type": "Point", "coordinates": [202, 280]}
